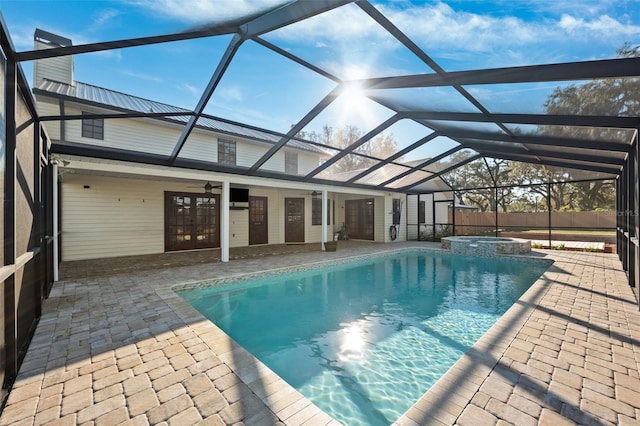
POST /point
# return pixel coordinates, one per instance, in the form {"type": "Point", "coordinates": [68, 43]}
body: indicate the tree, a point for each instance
{"type": "Point", "coordinates": [597, 97]}
{"type": "Point", "coordinates": [482, 174]}
{"type": "Point", "coordinates": [620, 96]}
{"type": "Point", "coordinates": [614, 97]}
{"type": "Point", "coordinates": [381, 146]}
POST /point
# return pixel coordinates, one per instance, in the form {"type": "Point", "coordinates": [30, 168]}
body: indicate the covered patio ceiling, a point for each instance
{"type": "Point", "coordinates": [443, 112]}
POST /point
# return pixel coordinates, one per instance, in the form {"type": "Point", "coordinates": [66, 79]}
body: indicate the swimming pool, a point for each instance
{"type": "Point", "coordinates": [365, 340]}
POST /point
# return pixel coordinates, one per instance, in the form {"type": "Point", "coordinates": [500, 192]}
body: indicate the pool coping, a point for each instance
{"type": "Point", "coordinates": [293, 408]}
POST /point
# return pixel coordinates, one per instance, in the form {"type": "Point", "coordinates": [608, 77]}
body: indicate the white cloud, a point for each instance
{"type": "Point", "coordinates": [22, 37]}
{"type": "Point", "coordinates": [142, 76]}
{"type": "Point", "coordinates": [445, 32]}
{"type": "Point", "coordinates": [202, 11]}
{"type": "Point", "coordinates": [189, 88]}
{"type": "Point", "coordinates": [104, 17]}
{"type": "Point", "coordinates": [231, 93]}
{"type": "Point", "coordinates": [344, 25]}
{"type": "Point", "coordinates": [603, 25]}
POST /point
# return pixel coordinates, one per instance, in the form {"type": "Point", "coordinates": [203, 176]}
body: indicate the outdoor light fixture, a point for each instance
{"type": "Point", "coordinates": [56, 160]}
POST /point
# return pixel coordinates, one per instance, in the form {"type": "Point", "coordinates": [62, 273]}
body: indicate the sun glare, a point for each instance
{"type": "Point", "coordinates": [352, 344]}
{"type": "Point", "coordinates": [352, 92]}
{"type": "Point", "coordinates": [355, 107]}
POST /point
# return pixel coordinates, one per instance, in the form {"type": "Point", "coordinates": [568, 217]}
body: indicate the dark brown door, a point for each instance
{"type": "Point", "coordinates": [191, 221]}
{"type": "Point", "coordinates": [359, 219]}
{"type": "Point", "coordinates": [258, 226]}
{"type": "Point", "coordinates": [294, 220]}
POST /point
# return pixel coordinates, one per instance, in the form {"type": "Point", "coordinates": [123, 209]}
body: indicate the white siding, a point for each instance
{"type": "Point", "coordinates": [53, 127]}
{"type": "Point", "coordinates": [200, 146]}
{"type": "Point", "coordinates": [57, 69]}
{"type": "Point", "coordinates": [388, 218]}
{"type": "Point", "coordinates": [381, 218]}
{"type": "Point", "coordinates": [442, 209]}
{"type": "Point", "coordinates": [110, 217]}
{"type": "Point", "coordinates": [428, 209]}
{"type": "Point", "coordinates": [127, 134]}
{"type": "Point", "coordinates": [412, 217]}
{"type": "Point", "coordinates": [248, 153]}
{"type": "Point", "coordinates": [116, 216]}
{"type": "Point", "coordinates": [238, 228]}
{"type": "Point", "coordinates": [275, 163]}
{"type": "Point", "coordinates": [160, 138]}
{"type": "Point", "coordinates": [307, 162]}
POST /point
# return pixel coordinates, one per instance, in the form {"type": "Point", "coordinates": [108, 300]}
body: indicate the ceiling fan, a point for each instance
{"type": "Point", "coordinates": [207, 187]}
{"type": "Point", "coordinates": [313, 193]}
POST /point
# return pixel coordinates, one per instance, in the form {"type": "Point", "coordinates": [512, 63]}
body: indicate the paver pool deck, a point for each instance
{"type": "Point", "coordinates": [115, 345]}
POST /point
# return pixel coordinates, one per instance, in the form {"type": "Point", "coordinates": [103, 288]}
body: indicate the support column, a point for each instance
{"type": "Point", "coordinates": [224, 222]}
{"type": "Point", "coordinates": [549, 211]}
{"type": "Point", "coordinates": [325, 226]}
{"type": "Point", "coordinates": [56, 255]}
{"type": "Point", "coordinates": [495, 194]}
{"type": "Point", "coordinates": [632, 209]}
{"type": "Point", "coordinates": [453, 215]}
{"type": "Point", "coordinates": [636, 220]}
{"type": "Point", "coordinates": [433, 215]}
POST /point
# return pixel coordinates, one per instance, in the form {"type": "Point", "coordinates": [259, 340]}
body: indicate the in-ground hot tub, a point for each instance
{"type": "Point", "coordinates": [485, 246]}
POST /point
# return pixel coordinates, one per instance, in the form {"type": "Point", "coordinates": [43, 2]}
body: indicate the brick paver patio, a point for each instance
{"type": "Point", "coordinates": [122, 348]}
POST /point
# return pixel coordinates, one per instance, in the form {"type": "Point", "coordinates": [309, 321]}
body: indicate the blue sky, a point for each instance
{"type": "Point", "coordinates": [266, 90]}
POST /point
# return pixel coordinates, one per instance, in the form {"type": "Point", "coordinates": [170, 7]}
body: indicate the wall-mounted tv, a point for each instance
{"type": "Point", "coordinates": [239, 195]}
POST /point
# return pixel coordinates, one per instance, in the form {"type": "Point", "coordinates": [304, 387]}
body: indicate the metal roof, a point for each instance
{"type": "Point", "coordinates": [475, 126]}
{"type": "Point", "coordinates": [111, 99]}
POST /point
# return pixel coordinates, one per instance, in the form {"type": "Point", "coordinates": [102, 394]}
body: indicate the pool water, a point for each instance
{"type": "Point", "coordinates": [365, 340]}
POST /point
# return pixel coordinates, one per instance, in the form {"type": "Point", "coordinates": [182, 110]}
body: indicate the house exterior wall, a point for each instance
{"type": "Point", "coordinates": [108, 212]}
{"type": "Point", "coordinates": [159, 137]}
{"type": "Point", "coordinates": [383, 218]}
{"type": "Point", "coordinates": [110, 216]}
{"type": "Point", "coordinates": [388, 218]}
{"type": "Point", "coordinates": [412, 216]}
{"type": "Point", "coordinates": [53, 127]}
{"type": "Point", "coordinates": [442, 208]}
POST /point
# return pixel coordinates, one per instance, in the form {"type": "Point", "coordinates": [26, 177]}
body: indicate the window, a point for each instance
{"type": "Point", "coordinates": [316, 211]}
{"type": "Point", "coordinates": [422, 216]}
{"type": "Point", "coordinates": [226, 152]}
{"type": "Point", "coordinates": [291, 162]}
{"type": "Point", "coordinates": [396, 211]}
{"type": "Point", "coordinates": [92, 128]}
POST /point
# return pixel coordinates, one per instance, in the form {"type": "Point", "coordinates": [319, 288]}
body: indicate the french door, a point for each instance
{"type": "Point", "coordinates": [359, 219]}
{"type": "Point", "coordinates": [191, 221]}
{"type": "Point", "coordinates": [294, 220]}
{"type": "Point", "coordinates": [258, 223]}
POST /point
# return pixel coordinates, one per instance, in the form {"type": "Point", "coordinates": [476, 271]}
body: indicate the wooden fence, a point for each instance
{"type": "Point", "coordinates": [470, 223]}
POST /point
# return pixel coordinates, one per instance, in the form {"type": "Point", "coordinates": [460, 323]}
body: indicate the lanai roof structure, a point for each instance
{"type": "Point", "coordinates": [434, 113]}
{"type": "Point", "coordinates": [345, 65]}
